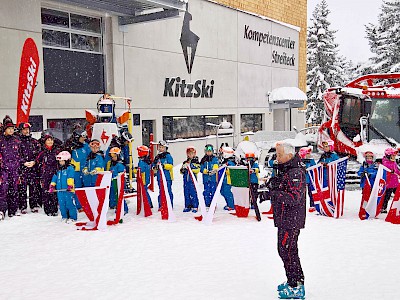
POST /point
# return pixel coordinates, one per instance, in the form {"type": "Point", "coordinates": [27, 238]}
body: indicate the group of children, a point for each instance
{"type": "Point", "coordinates": [208, 166]}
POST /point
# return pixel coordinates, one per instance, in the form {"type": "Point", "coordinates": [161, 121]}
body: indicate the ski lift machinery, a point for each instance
{"type": "Point", "coordinates": [362, 115]}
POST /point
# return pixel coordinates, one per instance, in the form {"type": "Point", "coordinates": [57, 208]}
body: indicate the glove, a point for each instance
{"type": "Point", "coordinates": [213, 172]}
{"type": "Point", "coordinates": [85, 171]}
{"type": "Point", "coordinates": [205, 171]}
{"type": "Point", "coordinates": [265, 196]}
{"type": "Point", "coordinates": [51, 189]}
{"type": "Point", "coordinates": [273, 183]}
{"type": "Point", "coordinates": [94, 172]}
{"type": "Point", "coordinates": [70, 188]}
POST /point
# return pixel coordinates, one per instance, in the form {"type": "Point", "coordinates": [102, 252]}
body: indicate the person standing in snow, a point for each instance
{"type": "Point", "coordinates": [389, 161]}
{"type": "Point", "coordinates": [209, 169]}
{"type": "Point", "coordinates": [63, 181]}
{"type": "Point", "coordinates": [189, 190]}
{"type": "Point", "coordinates": [167, 163]}
{"type": "Point", "coordinates": [10, 159]}
{"type": "Point", "coordinates": [94, 164]}
{"type": "Point", "coordinates": [228, 159]}
{"type": "Point", "coordinates": [47, 165]}
{"type": "Point", "coordinates": [328, 156]}
{"type": "Point", "coordinates": [144, 164]}
{"type": "Point", "coordinates": [28, 172]}
{"type": "Point", "coordinates": [115, 166]}
{"type": "Point", "coordinates": [368, 169]}
{"type": "Point", "coordinates": [287, 191]}
{"type": "Point", "coordinates": [254, 171]}
{"type": "Point", "coordinates": [305, 155]}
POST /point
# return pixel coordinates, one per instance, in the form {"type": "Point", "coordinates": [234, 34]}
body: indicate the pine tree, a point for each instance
{"type": "Point", "coordinates": [384, 39]}
{"type": "Point", "coordinates": [325, 68]}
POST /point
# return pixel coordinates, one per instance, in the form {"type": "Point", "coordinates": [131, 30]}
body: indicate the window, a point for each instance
{"type": "Point", "coordinates": [36, 123]}
{"type": "Point", "coordinates": [250, 122]}
{"type": "Point", "coordinates": [72, 53]}
{"type": "Point", "coordinates": [191, 126]}
{"type": "Point", "coordinates": [62, 128]}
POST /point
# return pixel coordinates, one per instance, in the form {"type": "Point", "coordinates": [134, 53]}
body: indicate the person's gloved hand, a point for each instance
{"type": "Point", "coordinates": [205, 171]}
{"type": "Point", "coordinates": [94, 172]}
{"type": "Point", "coordinates": [70, 188]}
{"type": "Point", "coordinates": [51, 189]}
{"type": "Point", "coordinates": [265, 196]}
{"type": "Point", "coordinates": [85, 171]}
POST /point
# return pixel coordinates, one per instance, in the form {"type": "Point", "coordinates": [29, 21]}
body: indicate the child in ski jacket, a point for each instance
{"type": "Point", "coordinates": [226, 187]}
{"type": "Point", "coordinates": [189, 190]}
{"type": "Point", "coordinates": [63, 182]}
{"type": "Point", "coordinates": [328, 156]}
{"type": "Point", "coordinates": [392, 183]}
{"type": "Point", "coordinates": [115, 166]}
{"type": "Point", "coordinates": [305, 155]}
{"type": "Point", "coordinates": [94, 164]}
{"type": "Point", "coordinates": [167, 163]}
{"type": "Point", "coordinates": [209, 169]}
{"type": "Point", "coordinates": [144, 164]}
{"type": "Point", "coordinates": [368, 169]}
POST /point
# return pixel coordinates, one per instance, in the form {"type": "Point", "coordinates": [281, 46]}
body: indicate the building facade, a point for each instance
{"type": "Point", "coordinates": [185, 68]}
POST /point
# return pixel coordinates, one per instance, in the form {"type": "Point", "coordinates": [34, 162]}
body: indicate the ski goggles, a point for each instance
{"type": "Point", "coordinates": [94, 143]}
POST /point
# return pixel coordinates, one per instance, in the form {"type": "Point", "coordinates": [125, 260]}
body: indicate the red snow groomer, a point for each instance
{"type": "Point", "coordinates": [362, 115]}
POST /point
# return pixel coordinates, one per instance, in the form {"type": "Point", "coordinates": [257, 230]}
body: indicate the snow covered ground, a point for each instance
{"type": "Point", "coordinates": [147, 258]}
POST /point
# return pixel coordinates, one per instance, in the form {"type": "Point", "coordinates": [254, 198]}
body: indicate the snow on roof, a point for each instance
{"type": "Point", "coordinates": [289, 93]}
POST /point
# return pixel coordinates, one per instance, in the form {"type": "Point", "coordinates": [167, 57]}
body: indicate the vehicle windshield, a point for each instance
{"type": "Point", "coordinates": [385, 118]}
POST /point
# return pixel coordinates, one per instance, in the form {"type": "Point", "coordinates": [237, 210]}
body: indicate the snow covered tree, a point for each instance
{"type": "Point", "coordinates": [325, 68]}
{"type": "Point", "coordinates": [384, 39]}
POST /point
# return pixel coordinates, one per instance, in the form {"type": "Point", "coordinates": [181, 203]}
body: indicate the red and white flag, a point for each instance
{"type": "Point", "coordinates": [166, 205]}
{"type": "Point", "coordinates": [394, 211]}
{"type": "Point", "coordinates": [375, 201]}
{"type": "Point", "coordinates": [366, 192]}
{"type": "Point", "coordinates": [95, 202]}
{"type": "Point", "coordinates": [143, 206]}
{"type": "Point", "coordinates": [28, 73]}
{"type": "Point", "coordinates": [118, 187]}
{"type": "Point", "coordinates": [210, 214]}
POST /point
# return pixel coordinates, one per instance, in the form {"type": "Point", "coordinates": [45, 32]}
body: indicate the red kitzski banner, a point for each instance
{"type": "Point", "coordinates": [27, 79]}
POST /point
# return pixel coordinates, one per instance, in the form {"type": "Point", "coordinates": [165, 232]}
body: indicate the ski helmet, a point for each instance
{"type": "Point", "coordinates": [163, 143]}
{"type": "Point", "coordinates": [304, 151]}
{"type": "Point", "coordinates": [208, 147]}
{"type": "Point", "coordinates": [330, 143]}
{"type": "Point", "coordinates": [190, 149]}
{"type": "Point", "coordinates": [115, 150]}
{"type": "Point", "coordinates": [250, 155]}
{"type": "Point", "coordinates": [77, 133]}
{"type": "Point", "coordinates": [370, 153]}
{"type": "Point", "coordinates": [63, 155]}
{"type": "Point", "coordinates": [227, 152]}
{"type": "Point", "coordinates": [127, 136]}
{"type": "Point", "coordinates": [390, 151]}
{"type": "Point", "coordinates": [143, 151]}
{"type": "Point", "coordinates": [24, 125]}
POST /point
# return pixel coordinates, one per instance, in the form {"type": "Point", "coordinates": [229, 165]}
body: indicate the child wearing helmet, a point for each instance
{"type": "Point", "coordinates": [209, 168]}
{"type": "Point", "coordinates": [305, 155]}
{"type": "Point", "coordinates": [328, 156]}
{"type": "Point", "coordinates": [115, 166]}
{"type": "Point", "coordinates": [94, 164]}
{"type": "Point", "coordinates": [228, 159]}
{"type": "Point", "coordinates": [392, 181]}
{"type": "Point", "coordinates": [144, 164]}
{"type": "Point", "coordinates": [63, 181]}
{"type": "Point", "coordinates": [165, 159]}
{"type": "Point", "coordinates": [254, 170]}
{"type": "Point", "coordinates": [189, 190]}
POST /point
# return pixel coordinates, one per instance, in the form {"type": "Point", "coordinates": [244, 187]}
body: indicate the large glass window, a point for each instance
{"type": "Point", "coordinates": [72, 53]}
{"type": "Point", "coordinates": [191, 126]}
{"type": "Point", "coordinates": [386, 118]}
{"type": "Point", "coordinates": [350, 117]}
{"type": "Point", "coordinates": [62, 128]}
{"type": "Point", "coordinates": [250, 122]}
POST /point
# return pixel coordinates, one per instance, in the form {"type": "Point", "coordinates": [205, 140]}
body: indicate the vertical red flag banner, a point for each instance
{"type": "Point", "coordinates": [27, 79]}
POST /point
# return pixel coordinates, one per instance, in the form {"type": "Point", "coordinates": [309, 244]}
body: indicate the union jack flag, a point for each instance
{"type": "Point", "coordinates": [321, 195]}
{"type": "Point", "coordinates": [336, 178]}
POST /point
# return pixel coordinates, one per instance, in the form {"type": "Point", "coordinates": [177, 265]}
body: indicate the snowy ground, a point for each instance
{"type": "Point", "coordinates": [147, 258]}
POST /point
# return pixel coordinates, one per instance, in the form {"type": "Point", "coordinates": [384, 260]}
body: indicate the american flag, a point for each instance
{"type": "Point", "coordinates": [336, 178]}
{"type": "Point", "coordinates": [321, 195]}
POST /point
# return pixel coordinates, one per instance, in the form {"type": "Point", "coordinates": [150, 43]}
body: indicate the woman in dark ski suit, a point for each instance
{"type": "Point", "coordinates": [288, 198]}
{"type": "Point", "coordinates": [47, 163]}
